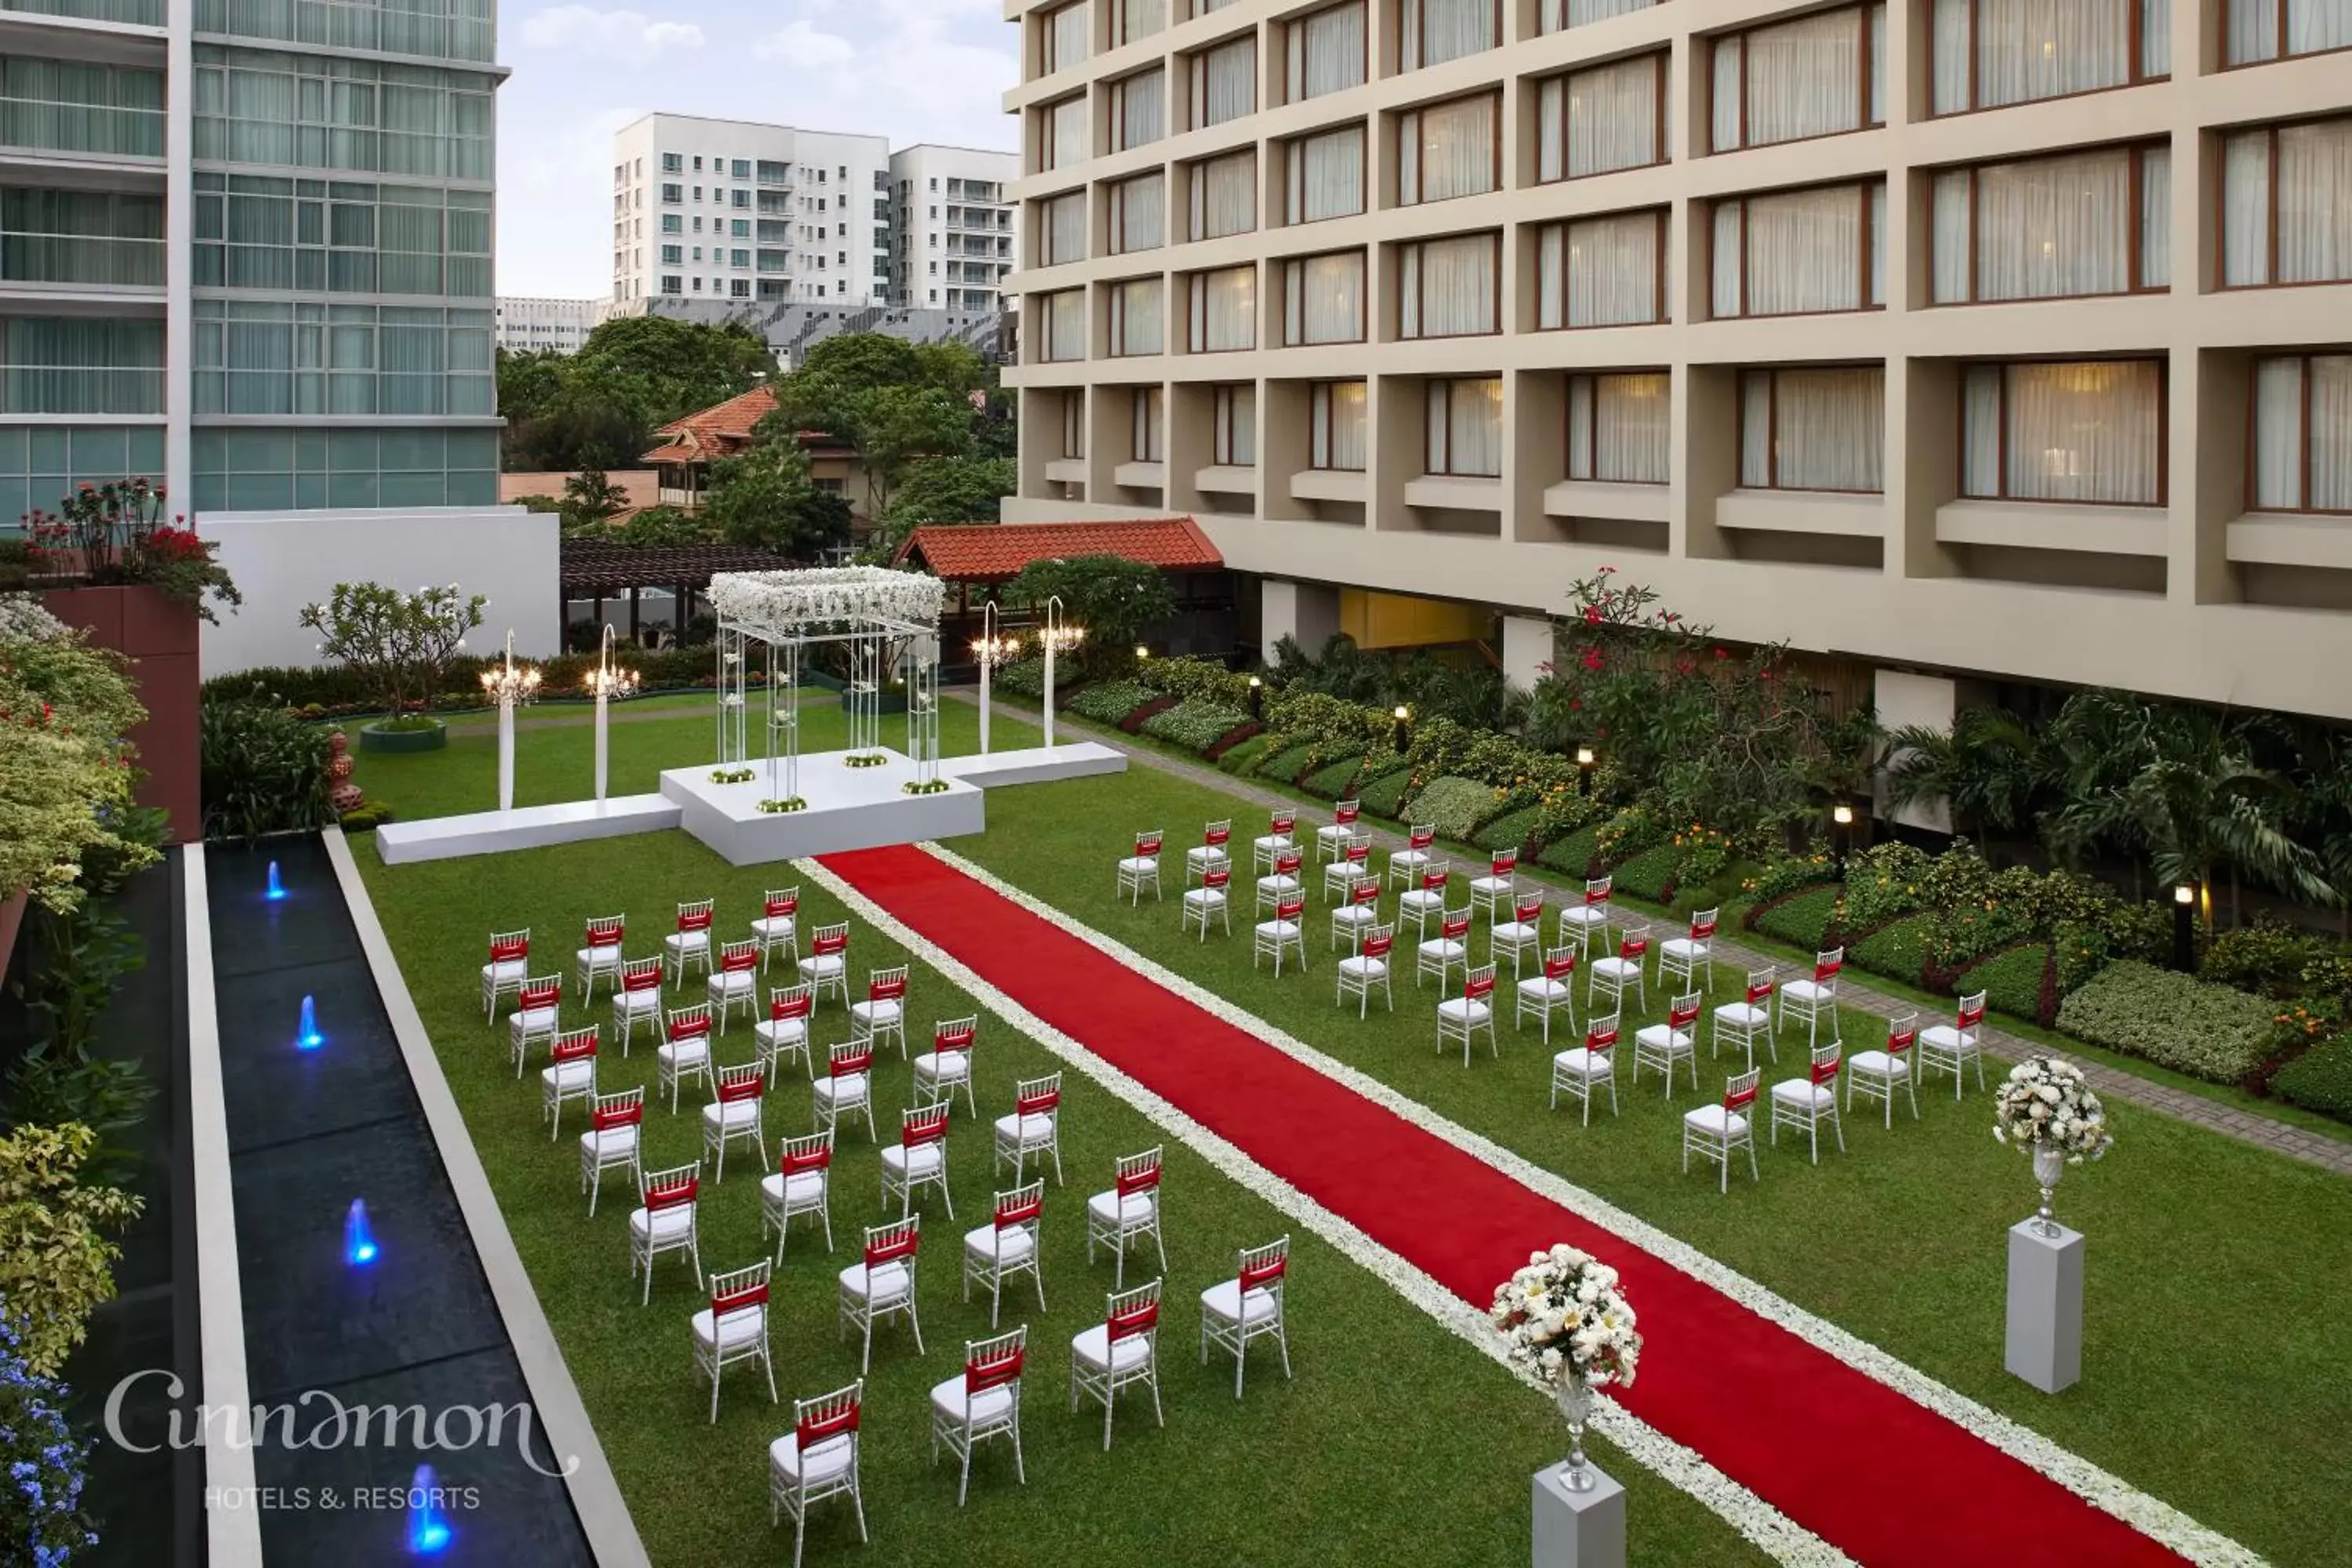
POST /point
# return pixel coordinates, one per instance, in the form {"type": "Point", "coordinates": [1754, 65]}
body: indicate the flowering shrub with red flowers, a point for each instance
{"type": "Point", "coordinates": [113, 535]}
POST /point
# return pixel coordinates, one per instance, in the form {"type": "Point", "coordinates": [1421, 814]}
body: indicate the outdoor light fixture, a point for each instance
{"type": "Point", "coordinates": [1141, 653]}
{"type": "Point", "coordinates": [1584, 760]}
{"type": "Point", "coordinates": [1057, 635]}
{"type": "Point", "coordinates": [2184, 928]}
{"type": "Point", "coordinates": [1257, 698]}
{"type": "Point", "coordinates": [1404, 728]}
{"type": "Point", "coordinates": [1584, 756]}
{"type": "Point", "coordinates": [359, 1241]}
{"type": "Point", "coordinates": [1841, 833]}
{"type": "Point", "coordinates": [606, 680]}
{"type": "Point", "coordinates": [276, 888]}
{"type": "Point", "coordinates": [1842, 814]}
{"type": "Point", "coordinates": [989, 649]}
{"type": "Point", "coordinates": [2185, 894]}
{"type": "Point", "coordinates": [508, 683]}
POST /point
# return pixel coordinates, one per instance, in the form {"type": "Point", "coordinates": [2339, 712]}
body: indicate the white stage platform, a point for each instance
{"type": "Point", "coordinates": [525, 827]}
{"type": "Point", "coordinates": [1036, 765]}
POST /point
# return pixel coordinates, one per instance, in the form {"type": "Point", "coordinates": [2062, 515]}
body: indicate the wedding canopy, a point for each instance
{"type": "Point", "coordinates": [784, 606]}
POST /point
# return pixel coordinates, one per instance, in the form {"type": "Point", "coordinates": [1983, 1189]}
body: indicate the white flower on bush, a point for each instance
{"type": "Point", "coordinates": [2046, 1103]}
{"type": "Point", "coordinates": [1563, 1317]}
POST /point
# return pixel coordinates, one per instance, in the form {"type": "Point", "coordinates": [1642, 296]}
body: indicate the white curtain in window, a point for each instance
{"type": "Point", "coordinates": [1980, 431]}
{"type": "Point", "coordinates": [1324, 51]}
{"type": "Point", "coordinates": [1339, 425]}
{"type": "Point", "coordinates": [2084, 432]}
{"type": "Point", "coordinates": [1465, 428]}
{"type": "Point", "coordinates": [2315, 201]}
{"type": "Point", "coordinates": [1949, 219]}
{"type": "Point", "coordinates": [1598, 272]}
{"type": "Point", "coordinates": [2331, 433]}
{"type": "Point", "coordinates": [2029, 50]}
{"type": "Point", "coordinates": [1617, 428]}
{"type": "Point", "coordinates": [1140, 18]}
{"type": "Point", "coordinates": [1949, 42]}
{"type": "Point", "coordinates": [1224, 82]}
{"type": "Point", "coordinates": [2278, 457]}
{"type": "Point", "coordinates": [1723, 286]}
{"type": "Point", "coordinates": [1559, 16]}
{"type": "Point", "coordinates": [1446, 287]}
{"type": "Point", "coordinates": [1446, 150]}
{"type": "Point", "coordinates": [1756, 429]}
{"type": "Point", "coordinates": [1804, 79]}
{"type": "Point", "coordinates": [1236, 418]}
{"type": "Point", "coordinates": [2054, 226]}
{"type": "Point", "coordinates": [1805, 251]}
{"type": "Point", "coordinates": [2156, 218]}
{"type": "Point", "coordinates": [1225, 195]}
{"type": "Point", "coordinates": [1074, 424]}
{"type": "Point", "coordinates": [1326, 176]}
{"type": "Point", "coordinates": [2252, 31]}
{"type": "Point", "coordinates": [1138, 211]}
{"type": "Point", "coordinates": [1065, 325]}
{"type": "Point", "coordinates": [1067, 140]}
{"type": "Point", "coordinates": [1140, 115]}
{"type": "Point", "coordinates": [1592, 122]}
{"type": "Point", "coordinates": [1065, 228]}
{"type": "Point", "coordinates": [1826, 429]}
{"type": "Point", "coordinates": [2311, 25]}
{"type": "Point", "coordinates": [1432, 32]}
{"type": "Point", "coordinates": [2246, 208]}
{"type": "Point", "coordinates": [1135, 317]}
{"type": "Point", "coordinates": [1224, 310]}
{"type": "Point", "coordinates": [1150, 424]}
{"type": "Point", "coordinates": [2156, 37]}
{"type": "Point", "coordinates": [1323, 298]}
{"type": "Point", "coordinates": [1068, 36]}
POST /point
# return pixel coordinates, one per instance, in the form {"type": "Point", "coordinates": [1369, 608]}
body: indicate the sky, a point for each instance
{"type": "Point", "coordinates": [912, 70]}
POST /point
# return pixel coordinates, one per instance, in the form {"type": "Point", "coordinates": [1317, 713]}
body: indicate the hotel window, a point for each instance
{"type": "Point", "coordinates": [1559, 16]}
{"type": "Point", "coordinates": [1135, 317]}
{"type": "Point", "coordinates": [1602, 271]}
{"type": "Point", "coordinates": [1801, 252]}
{"type": "Point", "coordinates": [1139, 109]}
{"type": "Point", "coordinates": [1150, 423]}
{"type": "Point", "coordinates": [1323, 298]}
{"type": "Point", "coordinates": [1221, 311]}
{"type": "Point", "coordinates": [2286, 205]}
{"type": "Point", "coordinates": [1203, 7]}
{"type": "Point", "coordinates": [1815, 75]}
{"type": "Point", "coordinates": [1984, 53]}
{"type": "Point", "coordinates": [2090, 432]}
{"type": "Point", "coordinates": [2256, 27]}
{"type": "Point", "coordinates": [1138, 210]}
{"type": "Point", "coordinates": [2302, 432]}
{"type": "Point", "coordinates": [1064, 36]}
{"type": "Point", "coordinates": [1449, 149]}
{"type": "Point", "coordinates": [1063, 139]}
{"type": "Point", "coordinates": [1323, 175]}
{"type": "Point", "coordinates": [1448, 288]}
{"type": "Point", "coordinates": [2049, 229]}
{"type": "Point", "coordinates": [1065, 229]}
{"type": "Point", "coordinates": [1133, 19]}
{"type": "Point", "coordinates": [1617, 428]}
{"type": "Point", "coordinates": [1431, 32]}
{"type": "Point", "coordinates": [1336, 427]}
{"type": "Point", "coordinates": [1235, 413]}
{"type": "Point", "coordinates": [1223, 195]}
{"type": "Point", "coordinates": [1594, 122]}
{"type": "Point", "coordinates": [1074, 424]}
{"type": "Point", "coordinates": [1465, 428]}
{"type": "Point", "coordinates": [1813, 429]}
{"type": "Point", "coordinates": [1324, 51]}
{"type": "Point", "coordinates": [1065, 321]}
{"type": "Point", "coordinates": [1224, 83]}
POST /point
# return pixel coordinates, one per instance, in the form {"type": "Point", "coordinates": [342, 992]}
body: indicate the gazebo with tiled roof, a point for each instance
{"type": "Point", "coordinates": [690, 445]}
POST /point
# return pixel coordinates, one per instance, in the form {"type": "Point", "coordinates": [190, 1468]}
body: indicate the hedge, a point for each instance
{"type": "Point", "coordinates": [1331, 783]}
{"type": "Point", "coordinates": [1898, 950]}
{"type": "Point", "coordinates": [2011, 982]}
{"type": "Point", "coordinates": [1455, 807]}
{"type": "Point", "coordinates": [2320, 1079]}
{"type": "Point", "coordinates": [1239, 758]}
{"type": "Point", "coordinates": [1284, 767]}
{"type": "Point", "coordinates": [1110, 701]}
{"type": "Point", "coordinates": [1022, 677]}
{"type": "Point", "coordinates": [1195, 723]}
{"type": "Point", "coordinates": [1803, 919]}
{"type": "Point", "coordinates": [1385, 796]}
{"type": "Point", "coordinates": [1573, 854]}
{"type": "Point", "coordinates": [2168, 1018]}
{"type": "Point", "coordinates": [1510, 830]}
{"type": "Point", "coordinates": [1646, 875]}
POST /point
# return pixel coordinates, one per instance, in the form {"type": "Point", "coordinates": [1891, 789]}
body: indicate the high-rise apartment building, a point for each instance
{"type": "Point", "coordinates": [527, 323]}
{"type": "Point", "coordinates": [1951, 338]}
{"type": "Point", "coordinates": [726, 209]}
{"type": "Point", "coordinates": [952, 240]}
{"type": "Point", "coordinates": [249, 261]}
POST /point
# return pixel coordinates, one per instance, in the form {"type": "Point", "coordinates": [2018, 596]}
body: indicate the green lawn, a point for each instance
{"type": "Point", "coordinates": [1397, 1443]}
{"type": "Point", "coordinates": [2214, 1374]}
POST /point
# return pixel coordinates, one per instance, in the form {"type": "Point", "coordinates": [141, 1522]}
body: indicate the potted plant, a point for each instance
{"type": "Point", "coordinates": [398, 645]}
{"type": "Point", "coordinates": [113, 536]}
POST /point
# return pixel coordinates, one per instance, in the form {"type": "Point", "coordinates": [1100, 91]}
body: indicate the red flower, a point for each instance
{"type": "Point", "coordinates": [1765, 675]}
{"type": "Point", "coordinates": [1592, 615]}
{"type": "Point", "coordinates": [1723, 653]}
{"type": "Point", "coordinates": [1593, 658]}
{"type": "Point", "coordinates": [1575, 702]}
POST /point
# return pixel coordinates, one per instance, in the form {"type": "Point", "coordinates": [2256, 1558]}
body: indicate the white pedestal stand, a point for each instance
{"type": "Point", "coordinates": [2045, 1342]}
{"type": "Point", "coordinates": [1579, 1530]}
{"type": "Point", "coordinates": [506, 754]}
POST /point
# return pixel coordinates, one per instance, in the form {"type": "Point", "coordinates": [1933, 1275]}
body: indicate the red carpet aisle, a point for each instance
{"type": "Point", "coordinates": [1886, 1479]}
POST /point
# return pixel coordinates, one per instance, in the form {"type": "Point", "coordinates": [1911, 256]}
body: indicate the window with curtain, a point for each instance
{"type": "Point", "coordinates": [2048, 229]}
{"type": "Point", "coordinates": [2260, 30]}
{"type": "Point", "coordinates": [1139, 109]}
{"type": "Point", "coordinates": [1336, 427]}
{"type": "Point", "coordinates": [1448, 288]}
{"type": "Point", "coordinates": [1063, 318]}
{"type": "Point", "coordinates": [439, 29]}
{"type": "Point", "coordinates": [81, 365]}
{"type": "Point", "coordinates": [1135, 317]}
{"type": "Point", "coordinates": [1984, 53]}
{"type": "Point", "coordinates": [1602, 271]}
{"type": "Point", "coordinates": [1815, 75]}
{"type": "Point", "coordinates": [1223, 195]}
{"type": "Point", "coordinates": [1062, 139]}
{"type": "Point", "coordinates": [1617, 427]}
{"type": "Point", "coordinates": [1323, 298]}
{"type": "Point", "coordinates": [1221, 311]}
{"type": "Point", "coordinates": [277, 357]}
{"type": "Point", "coordinates": [268, 469]}
{"type": "Point", "coordinates": [1073, 423]}
{"type": "Point", "coordinates": [340, 238]}
{"type": "Point", "coordinates": [1323, 175]}
{"type": "Point", "coordinates": [1133, 19]}
{"type": "Point", "coordinates": [1139, 209]}
{"type": "Point", "coordinates": [1432, 32]}
{"type": "Point", "coordinates": [1559, 16]}
{"type": "Point", "coordinates": [107, 239]}
{"type": "Point", "coordinates": [1149, 426]}
{"type": "Point", "coordinates": [1465, 428]}
{"type": "Point", "coordinates": [1594, 122]}
{"type": "Point", "coordinates": [1224, 82]}
{"type": "Point", "coordinates": [1064, 229]}
{"type": "Point", "coordinates": [67, 106]}
{"type": "Point", "coordinates": [1234, 411]}
{"type": "Point", "coordinates": [2286, 205]}
{"type": "Point", "coordinates": [39, 463]}
{"type": "Point", "coordinates": [319, 112]}
{"type": "Point", "coordinates": [1801, 252]}
{"type": "Point", "coordinates": [1064, 36]}
{"type": "Point", "coordinates": [1813, 428]}
{"type": "Point", "coordinates": [2301, 460]}
{"type": "Point", "coordinates": [1203, 7]}
{"type": "Point", "coordinates": [2090, 432]}
{"type": "Point", "coordinates": [1324, 51]}
{"type": "Point", "coordinates": [1448, 150]}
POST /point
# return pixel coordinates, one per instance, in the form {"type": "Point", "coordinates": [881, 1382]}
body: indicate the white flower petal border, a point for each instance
{"type": "Point", "coordinates": [2152, 1516]}
{"type": "Point", "coordinates": [1684, 1469]}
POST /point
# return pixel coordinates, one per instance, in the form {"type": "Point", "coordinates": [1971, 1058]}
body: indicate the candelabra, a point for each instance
{"type": "Point", "coordinates": [991, 648]}
{"type": "Point", "coordinates": [1057, 634]}
{"type": "Point", "coordinates": [507, 684]}
{"type": "Point", "coordinates": [606, 680]}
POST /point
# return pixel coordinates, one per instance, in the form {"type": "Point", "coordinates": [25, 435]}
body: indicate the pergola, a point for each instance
{"type": "Point", "coordinates": [599, 571]}
{"type": "Point", "coordinates": [889, 620]}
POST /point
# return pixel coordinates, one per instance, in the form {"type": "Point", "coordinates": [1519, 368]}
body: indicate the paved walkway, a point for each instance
{"type": "Point", "coordinates": [2246, 1126]}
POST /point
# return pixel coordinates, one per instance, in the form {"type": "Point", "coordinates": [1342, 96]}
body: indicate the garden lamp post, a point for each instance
{"type": "Point", "coordinates": [1142, 653]}
{"type": "Point", "coordinates": [606, 680]}
{"type": "Point", "coordinates": [1841, 833]}
{"type": "Point", "coordinates": [507, 684]}
{"type": "Point", "coordinates": [1058, 635]}
{"type": "Point", "coordinates": [1257, 698]}
{"type": "Point", "coordinates": [991, 648]}
{"type": "Point", "coordinates": [1584, 760]}
{"type": "Point", "coordinates": [1403, 716]}
{"type": "Point", "coordinates": [2184, 928]}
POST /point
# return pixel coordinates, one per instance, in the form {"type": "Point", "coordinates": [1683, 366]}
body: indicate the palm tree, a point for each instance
{"type": "Point", "coordinates": [1986, 769]}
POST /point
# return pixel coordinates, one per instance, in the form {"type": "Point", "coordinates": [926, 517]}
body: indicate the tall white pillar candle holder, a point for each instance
{"type": "Point", "coordinates": [508, 684]}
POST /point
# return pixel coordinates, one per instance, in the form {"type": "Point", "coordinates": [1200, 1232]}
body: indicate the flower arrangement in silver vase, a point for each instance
{"type": "Point", "coordinates": [2046, 1108]}
{"type": "Point", "coordinates": [1570, 1325]}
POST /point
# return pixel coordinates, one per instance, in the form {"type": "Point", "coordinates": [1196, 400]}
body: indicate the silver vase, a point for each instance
{"type": "Point", "coordinates": [2049, 1164]}
{"type": "Point", "coordinates": [1575, 1397]}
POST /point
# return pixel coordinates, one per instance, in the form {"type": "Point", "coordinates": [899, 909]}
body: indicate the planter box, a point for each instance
{"type": "Point", "coordinates": [395, 741]}
{"type": "Point", "coordinates": [159, 636]}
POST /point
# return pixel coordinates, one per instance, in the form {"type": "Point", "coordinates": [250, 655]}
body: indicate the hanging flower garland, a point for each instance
{"type": "Point", "coordinates": [826, 593]}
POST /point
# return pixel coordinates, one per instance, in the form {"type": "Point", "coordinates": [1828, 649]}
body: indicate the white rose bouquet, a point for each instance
{"type": "Point", "coordinates": [1568, 1321]}
{"type": "Point", "coordinates": [2046, 1106]}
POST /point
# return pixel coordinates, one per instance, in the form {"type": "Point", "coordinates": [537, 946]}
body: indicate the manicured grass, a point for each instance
{"type": "Point", "coordinates": [1900, 1240]}
{"type": "Point", "coordinates": [1397, 1442]}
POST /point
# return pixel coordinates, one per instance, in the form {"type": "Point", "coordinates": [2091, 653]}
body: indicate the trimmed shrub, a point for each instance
{"type": "Point", "coordinates": [1110, 700]}
{"type": "Point", "coordinates": [1572, 855]}
{"type": "Point", "coordinates": [1284, 766]}
{"type": "Point", "coordinates": [1239, 757]}
{"type": "Point", "coordinates": [2320, 1079]}
{"type": "Point", "coordinates": [1230, 739]}
{"type": "Point", "coordinates": [2207, 1031]}
{"type": "Point", "coordinates": [2267, 957]}
{"type": "Point", "coordinates": [1331, 782]}
{"type": "Point", "coordinates": [1883, 883]}
{"type": "Point", "coordinates": [2011, 980]}
{"type": "Point", "coordinates": [1022, 677]}
{"type": "Point", "coordinates": [1510, 830]}
{"type": "Point", "coordinates": [1455, 807]}
{"type": "Point", "coordinates": [1803, 917]}
{"type": "Point", "coordinates": [1788, 873]}
{"type": "Point", "coordinates": [2141, 931]}
{"type": "Point", "coordinates": [1190, 678]}
{"type": "Point", "coordinates": [1385, 796]}
{"type": "Point", "coordinates": [1898, 950]}
{"type": "Point", "coordinates": [1195, 723]}
{"type": "Point", "coordinates": [1650, 873]}
{"type": "Point", "coordinates": [2081, 950]}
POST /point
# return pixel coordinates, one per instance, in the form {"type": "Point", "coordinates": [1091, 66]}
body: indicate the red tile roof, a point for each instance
{"type": "Point", "coordinates": [993, 552]}
{"type": "Point", "coordinates": [725, 428]}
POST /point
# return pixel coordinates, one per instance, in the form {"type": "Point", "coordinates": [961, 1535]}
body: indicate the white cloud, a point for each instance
{"type": "Point", "coordinates": [620, 33]}
{"type": "Point", "coordinates": [799, 44]}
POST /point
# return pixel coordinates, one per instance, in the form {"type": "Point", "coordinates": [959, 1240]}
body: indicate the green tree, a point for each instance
{"type": "Point", "coordinates": [1986, 770]}
{"type": "Point", "coordinates": [55, 1264]}
{"type": "Point", "coordinates": [952, 490]}
{"type": "Point", "coordinates": [528, 382]}
{"type": "Point", "coordinates": [398, 643]}
{"type": "Point", "coordinates": [1115, 600]}
{"type": "Point", "coordinates": [765, 499]}
{"type": "Point", "coordinates": [591, 498]}
{"type": "Point", "coordinates": [666, 525]}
